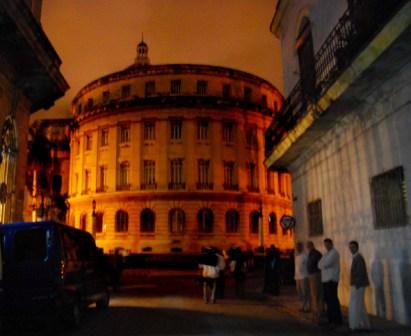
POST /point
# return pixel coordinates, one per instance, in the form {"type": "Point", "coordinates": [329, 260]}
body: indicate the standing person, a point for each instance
{"type": "Point", "coordinates": [209, 275]}
{"type": "Point", "coordinates": [330, 275]}
{"type": "Point", "coordinates": [221, 277]}
{"type": "Point", "coordinates": [314, 281]}
{"type": "Point", "coordinates": [271, 271]}
{"type": "Point", "coordinates": [301, 277]}
{"type": "Point", "coordinates": [239, 272]}
{"type": "Point", "coordinates": [357, 314]}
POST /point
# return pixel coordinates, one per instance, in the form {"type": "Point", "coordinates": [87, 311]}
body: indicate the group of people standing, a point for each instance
{"type": "Point", "coordinates": [317, 276]}
{"type": "Point", "coordinates": [213, 265]}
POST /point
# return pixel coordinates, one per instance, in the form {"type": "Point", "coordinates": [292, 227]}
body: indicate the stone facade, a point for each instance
{"type": "Point", "coordinates": [30, 79]}
{"type": "Point", "coordinates": [353, 138]}
{"type": "Point", "coordinates": [174, 148]}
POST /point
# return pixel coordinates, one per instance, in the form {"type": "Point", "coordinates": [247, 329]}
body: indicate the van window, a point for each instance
{"type": "Point", "coordinates": [30, 245]}
{"type": "Point", "coordinates": [70, 246]}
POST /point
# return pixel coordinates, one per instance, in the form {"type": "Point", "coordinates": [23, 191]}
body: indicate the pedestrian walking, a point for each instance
{"type": "Point", "coordinates": [271, 271]}
{"type": "Point", "coordinates": [301, 277]}
{"type": "Point", "coordinates": [330, 275]}
{"type": "Point", "coordinates": [357, 313]}
{"type": "Point", "coordinates": [210, 273]}
{"type": "Point", "coordinates": [221, 264]}
{"type": "Point", "coordinates": [314, 281]}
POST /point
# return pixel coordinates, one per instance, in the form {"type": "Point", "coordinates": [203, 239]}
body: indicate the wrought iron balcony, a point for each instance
{"type": "Point", "coordinates": [359, 24]}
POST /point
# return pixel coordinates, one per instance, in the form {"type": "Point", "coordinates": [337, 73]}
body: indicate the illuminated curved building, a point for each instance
{"type": "Point", "coordinates": [173, 156]}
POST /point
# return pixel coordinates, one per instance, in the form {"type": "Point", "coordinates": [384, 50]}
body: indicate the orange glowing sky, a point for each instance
{"type": "Point", "coordinates": [96, 37]}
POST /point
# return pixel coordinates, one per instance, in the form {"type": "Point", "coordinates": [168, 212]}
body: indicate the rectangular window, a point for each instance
{"type": "Point", "coordinates": [281, 187]}
{"type": "Point", "coordinates": [270, 182]}
{"type": "Point", "coordinates": [202, 129]}
{"type": "Point", "coordinates": [125, 91]}
{"type": "Point", "coordinates": [202, 87]}
{"type": "Point", "coordinates": [252, 176]}
{"type": "Point", "coordinates": [251, 137]}
{"type": "Point", "coordinates": [389, 199]}
{"type": "Point", "coordinates": [175, 86]}
{"type": "Point", "coordinates": [315, 218]}
{"type": "Point", "coordinates": [124, 175]}
{"type": "Point", "coordinates": [203, 172]}
{"type": "Point", "coordinates": [149, 130]}
{"type": "Point", "coordinates": [106, 97]}
{"type": "Point", "coordinates": [102, 183]}
{"type": "Point", "coordinates": [229, 175]}
{"type": "Point", "coordinates": [104, 137]}
{"type": "Point", "coordinates": [150, 88]}
{"type": "Point", "coordinates": [228, 132]}
{"type": "Point", "coordinates": [124, 134]}
{"type": "Point", "coordinates": [149, 174]}
{"type": "Point", "coordinates": [86, 181]}
{"type": "Point", "coordinates": [176, 174]}
{"type": "Point", "coordinates": [226, 90]}
{"type": "Point", "coordinates": [247, 94]}
{"type": "Point", "coordinates": [176, 126]}
{"type": "Point", "coordinates": [89, 141]}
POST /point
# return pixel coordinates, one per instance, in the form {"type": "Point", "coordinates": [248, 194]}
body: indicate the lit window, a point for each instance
{"type": "Point", "coordinates": [124, 174]}
{"type": "Point", "coordinates": [176, 219]}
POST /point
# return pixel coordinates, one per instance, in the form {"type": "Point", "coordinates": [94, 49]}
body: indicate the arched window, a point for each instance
{"type": "Point", "coordinates": [147, 221]}
{"type": "Point", "coordinates": [99, 222]}
{"type": "Point", "coordinates": [83, 222]}
{"type": "Point", "coordinates": [121, 221]}
{"type": "Point", "coordinates": [306, 60]}
{"type": "Point", "coordinates": [254, 221]}
{"type": "Point", "coordinates": [232, 221]}
{"type": "Point", "coordinates": [205, 220]}
{"type": "Point", "coordinates": [272, 223]}
{"type": "Point", "coordinates": [176, 220]}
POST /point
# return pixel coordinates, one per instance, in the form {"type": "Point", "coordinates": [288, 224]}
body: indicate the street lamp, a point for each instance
{"type": "Point", "coordinates": [93, 217]}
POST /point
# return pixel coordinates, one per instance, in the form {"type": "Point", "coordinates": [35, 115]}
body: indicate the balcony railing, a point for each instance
{"type": "Point", "coordinates": [205, 186]}
{"type": "Point", "coordinates": [355, 29]}
{"type": "Point", "coordinates": [148, 186]}
{"type": "Point", "coordinates": [176, 186]}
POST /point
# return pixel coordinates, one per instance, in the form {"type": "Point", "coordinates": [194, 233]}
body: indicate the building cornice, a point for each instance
{"type": "Point", "coordinates": [280, 9]}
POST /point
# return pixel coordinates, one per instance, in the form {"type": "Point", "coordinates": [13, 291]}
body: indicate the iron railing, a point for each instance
{"type": "Point", "coordinates": [354, 30]}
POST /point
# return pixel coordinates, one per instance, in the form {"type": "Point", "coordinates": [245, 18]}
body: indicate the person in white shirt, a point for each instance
{"type": "Point", "coordinates": [329, 265]}
{"type": "Point", "coordinates": [301, 277]}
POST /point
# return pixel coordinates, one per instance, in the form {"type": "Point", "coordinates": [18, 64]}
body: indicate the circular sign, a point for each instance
{"type": "Point", "coordinates": [287, 222]}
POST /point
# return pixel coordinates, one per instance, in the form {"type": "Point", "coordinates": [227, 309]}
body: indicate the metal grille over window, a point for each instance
{"type": "Point", "coordinates": [389, 199]}
{"type": "Point", "coordinates": [315, 218]}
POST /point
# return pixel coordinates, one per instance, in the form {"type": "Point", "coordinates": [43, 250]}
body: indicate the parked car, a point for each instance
{"type": "Point", "coordinates": [49, 270]}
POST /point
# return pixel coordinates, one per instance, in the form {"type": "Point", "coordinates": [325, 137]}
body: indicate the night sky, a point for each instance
{"type": "Point", "coordinates": [96, 37]}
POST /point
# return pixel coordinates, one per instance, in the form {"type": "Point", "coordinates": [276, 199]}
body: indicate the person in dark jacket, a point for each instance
{"type": "Point", "coordinates": [314, 281]}
{"type": "Point", "coordinates": [239, 271]}
{"type": "Point", "coordinates": [357, 313]}
{"type": "Point", "coordinates": [271, 271]}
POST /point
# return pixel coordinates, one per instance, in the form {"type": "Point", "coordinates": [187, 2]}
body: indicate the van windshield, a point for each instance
{"type": "Point", "coordinates": [30, 245]}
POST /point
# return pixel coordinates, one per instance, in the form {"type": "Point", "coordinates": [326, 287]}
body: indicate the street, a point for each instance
{"type": "Point", "coordinates": [174, 306]}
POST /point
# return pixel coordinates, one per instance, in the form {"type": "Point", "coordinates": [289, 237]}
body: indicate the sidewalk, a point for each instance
{"type": "Point", "coordinates": [289, 303]}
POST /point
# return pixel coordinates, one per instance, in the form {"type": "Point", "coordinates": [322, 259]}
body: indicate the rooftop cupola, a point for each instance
{"type": "Point", "coordinates": [142, 53]}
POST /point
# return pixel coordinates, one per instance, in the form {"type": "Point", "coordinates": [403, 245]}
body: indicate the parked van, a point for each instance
{"type": "Point", "coordinates": [49, 270]}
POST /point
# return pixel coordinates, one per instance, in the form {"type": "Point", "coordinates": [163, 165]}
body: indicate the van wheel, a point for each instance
{"type": "Point", "coordinates": [75, 314]}
{"type": "Point", "coordinates": [104, 301]}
